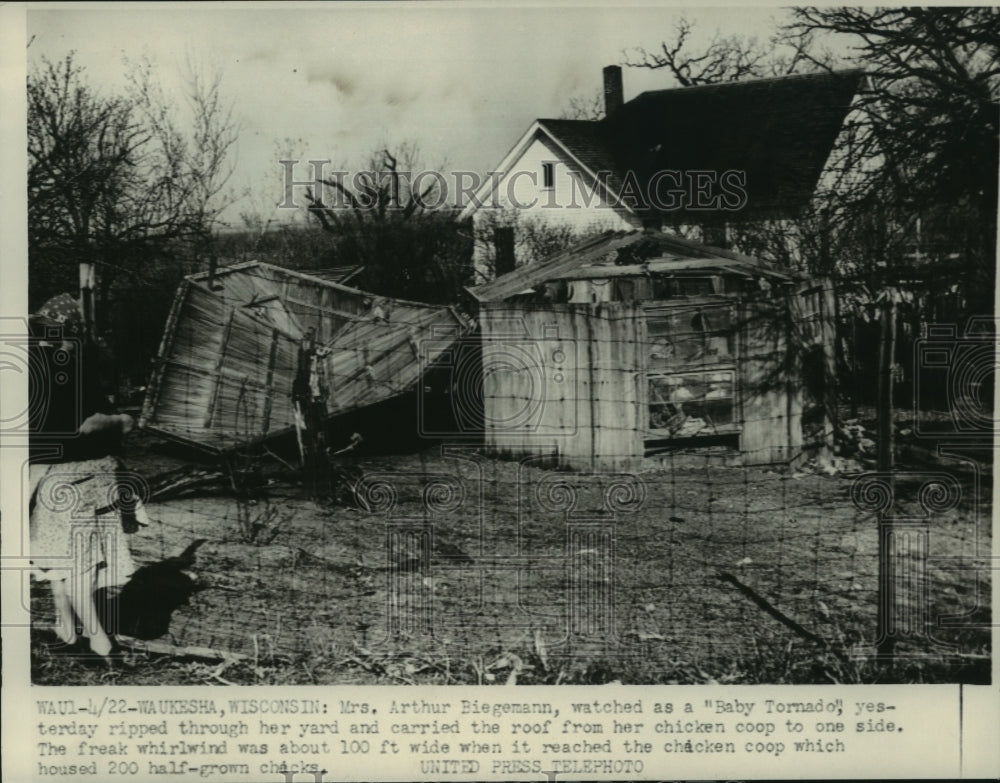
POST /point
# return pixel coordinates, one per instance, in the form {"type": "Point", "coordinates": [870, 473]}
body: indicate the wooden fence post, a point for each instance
{"type": "Point", "coordinates": [886, 461]}
{"type": "Point", "coordinates": [309, 397]}
{"type": "Point", "coordinates": [87, 284]}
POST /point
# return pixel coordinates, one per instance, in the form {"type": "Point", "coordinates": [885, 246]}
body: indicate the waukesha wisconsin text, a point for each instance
{"type": "Point", "coordinates": [112, 706]}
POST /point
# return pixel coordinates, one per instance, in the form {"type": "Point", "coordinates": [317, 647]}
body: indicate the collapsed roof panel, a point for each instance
{"type": "Point", "coordinates": [230, 351]}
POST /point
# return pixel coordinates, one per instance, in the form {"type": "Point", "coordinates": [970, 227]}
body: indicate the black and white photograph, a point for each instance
{"type": "Point", "coordinates": [447, 344]}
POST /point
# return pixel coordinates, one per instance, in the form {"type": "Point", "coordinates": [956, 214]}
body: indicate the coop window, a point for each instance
{"type": "Point", "coordinates": [689, 335]}
{"type": "Point", "coordinates": [692, 405]}
{"type": "Point", "coordinates": [667, 287]}
{"type": "Point", "coordinates": [548, 175]}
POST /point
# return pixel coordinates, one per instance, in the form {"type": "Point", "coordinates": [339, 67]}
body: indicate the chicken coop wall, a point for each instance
{"type": "Point", "coordinates": [578, 383]}
{"type": "Point", "coordinates": [560, 382]}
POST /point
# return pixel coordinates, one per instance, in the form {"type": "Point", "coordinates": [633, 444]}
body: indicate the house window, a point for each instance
{"type": "Point", "coordinates": [548, 176]}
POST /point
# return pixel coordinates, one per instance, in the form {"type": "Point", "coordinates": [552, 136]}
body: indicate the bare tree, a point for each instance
{"type": "Point", "coordinates": [393, 218]}
{"type": "Point", "coordinates": [114, 179]}
{"type": "Point", "coordinates": [82, 148]}
{"type": "Point", "coordinates": [585, 107]}
{"type": "Point", "coordinates": [910, 190]}
{"type": "Point", "coordinates": [189, 169]}
{"type": "Point", "coordinates": [921, 142]}
{"type": "Point", "coordinates": [123, 184]}
{"type": "Point", "coordinates": [931, 115]}
{"type": "Point", "coordinates": [728, 58]}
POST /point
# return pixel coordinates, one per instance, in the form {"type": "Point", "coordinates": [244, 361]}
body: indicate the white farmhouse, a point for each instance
{"type": "Point", "coordinates": [699, 159]}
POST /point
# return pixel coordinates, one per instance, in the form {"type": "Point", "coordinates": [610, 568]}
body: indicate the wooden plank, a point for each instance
{"type": "Point", "coordinates": [213, 399]}
{"type": "Point", "coordinates": [166, 346]}
{"type": "Point", "coordinates": [269, 382]}
{"type": "Point", "coordinates": [165, 648]}
{"type": "Point", "coordinates": [169, 434]}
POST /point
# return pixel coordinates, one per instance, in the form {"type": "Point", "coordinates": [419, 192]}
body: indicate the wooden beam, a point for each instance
{"type": "Point", "coordinates": [165, 648]}
{"type": "Point", "coordinates": [213, 401]}
{"type": "Point", "coordinates": [269, 382]}
{"type": "Point", "coordinates": [166, 346]}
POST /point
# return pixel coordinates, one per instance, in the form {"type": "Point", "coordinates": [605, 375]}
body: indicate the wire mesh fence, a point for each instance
{"type": "Point", "coordinates": [645, 491]}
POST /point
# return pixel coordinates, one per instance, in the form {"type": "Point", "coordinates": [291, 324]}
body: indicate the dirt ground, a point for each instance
{"type": "Point", "coordinates": [467, 569]}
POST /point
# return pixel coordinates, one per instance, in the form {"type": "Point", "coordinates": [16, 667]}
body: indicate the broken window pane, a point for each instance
{"type": "Point", "coordinates": [687, 405]}
{"type": "Point", "coordinates": [689, 335]}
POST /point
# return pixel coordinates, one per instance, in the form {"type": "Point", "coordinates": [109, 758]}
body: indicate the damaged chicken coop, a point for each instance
{"type": "Point", "coordinates": [636, 344]}
{"type": "Point", "coordinates": [252, 351]}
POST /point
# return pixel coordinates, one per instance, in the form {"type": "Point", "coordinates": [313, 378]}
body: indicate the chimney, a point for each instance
{"type": "Point", "coordinates": [614, 95]}
{"type": "Point", "coordinates": [503, 242]}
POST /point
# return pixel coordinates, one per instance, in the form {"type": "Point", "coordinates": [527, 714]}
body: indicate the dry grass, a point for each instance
{"type": "Point", "coordinates": [329, 600]}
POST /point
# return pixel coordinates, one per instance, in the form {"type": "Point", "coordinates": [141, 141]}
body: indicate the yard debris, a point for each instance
{"type": "Point", "coordinates": [507, 660]}
{"type": "Point", "coordinates": [851, 439]}
{"type": "Point", "coordinates": [189, 478]}
{"type": "Point", "coordinates": [825, 464]}
{"type": "Point", "coordinates": [777, 614]}
{"type": "Point", "coordinates": [833, 466]}
{"type": "Point", "coordinates": [146, 646]}
{"type": "Point", "coordinates": [540, 650]}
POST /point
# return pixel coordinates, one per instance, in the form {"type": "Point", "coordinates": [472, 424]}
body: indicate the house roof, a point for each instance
{"type": "Point", "coordinates": [779, 132]}
{"type": "Point", "coordinates": [587, 142]}
{"type": "Point", "coordinates": [623, 254]}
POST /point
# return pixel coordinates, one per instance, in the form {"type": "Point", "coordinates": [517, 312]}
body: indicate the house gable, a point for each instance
{"type": "Point", "coordinates": [577, 195]}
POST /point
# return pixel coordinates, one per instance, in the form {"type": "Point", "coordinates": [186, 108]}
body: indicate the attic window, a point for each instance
{"type": "Point", "coordinates": [548, 176]}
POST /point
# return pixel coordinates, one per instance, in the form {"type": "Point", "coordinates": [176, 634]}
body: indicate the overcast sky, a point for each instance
{"type": "Point", "coordinates": [461, 81]}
